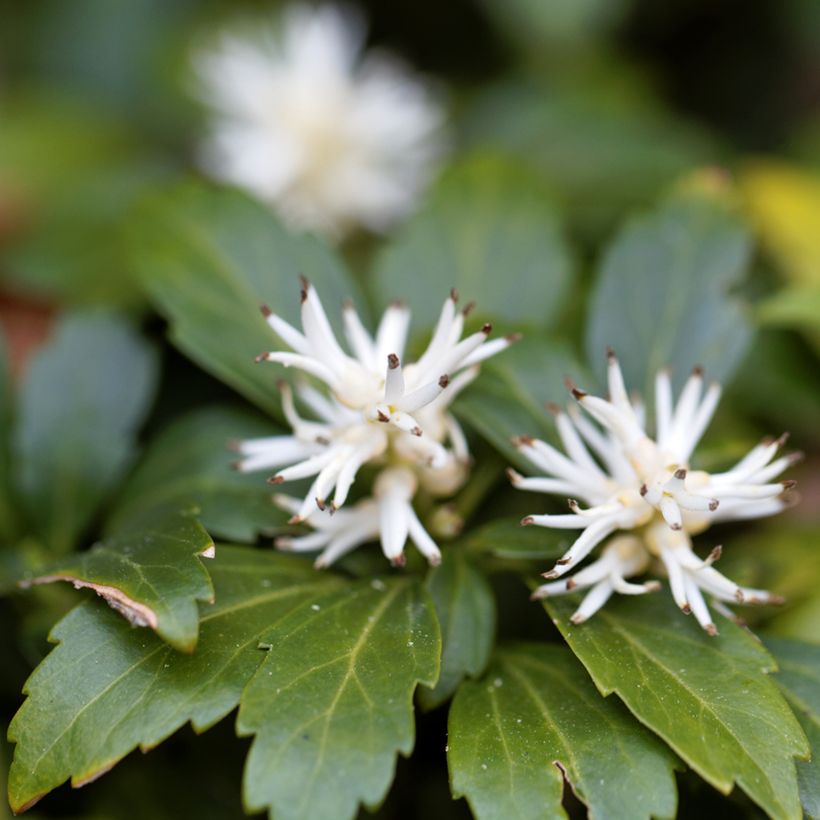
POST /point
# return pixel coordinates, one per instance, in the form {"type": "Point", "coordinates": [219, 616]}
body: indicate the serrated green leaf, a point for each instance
{"type": "Point", "coordinates": [709, 698]}
{"type": "Point", "coordinates": [509, 398]}
{"type": "Point", "coordinates": [152, 575]}
{"type": "Point", "coordinates": [465, 607]}
{"type": "Point", "coordinates": [333, 702]}
{"type": "Point", "coordinates": [486, 218]}
{"type": "Point", "coordinates": [662, 297]}
{"type": "Point", "coordinates": [209, 258]}
{"type": "Point", "coordinates": [535, 717]}
{"type": "Point", "coordinates": [189, 464]}
{"type": "Point", "coordinates": [799, 678]}
{"type": "Point", "coordinates": [508, 539]}
{"type": "Point", "coordinates": [107, 688]}
{"type": "Point", "coordinates": [81, 404]}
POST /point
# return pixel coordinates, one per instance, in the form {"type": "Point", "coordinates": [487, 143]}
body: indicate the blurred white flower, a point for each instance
{"type": "Point", "coordinates": [330, 137]}
{"type": "Point", "coordinates": [633, 482]}
{"type": "Point", "coordinates": [372, 409]}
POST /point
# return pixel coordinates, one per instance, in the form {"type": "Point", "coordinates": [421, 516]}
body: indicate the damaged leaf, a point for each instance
{"type": "Point", "coordinates": [709, 698]}
{"type": "Point", "coordinates": [106, 688]}
{"type": "Point", "coordinates": [332, 703]}
{"type": "Point", "coordinates": [535, 718]}
{"type": "Point", "coordinates": [152, 575]}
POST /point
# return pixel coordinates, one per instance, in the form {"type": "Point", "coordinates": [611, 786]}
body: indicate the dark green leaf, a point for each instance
{"type": "Point", "coordinates": [333, 701]}
{"type": "Point", "coordinates": [152, 575]}
{"type": "Point", "coordinates": [465, 607]}
{"type": "Point", "coordinates": [799, 678]}
{"type": "Point", "coordinates": [209, 258]}
{"type": "Point", "coordinates": [662, 298]}
{"type": "Point", "coordinates": [509, 398]}
{"type": "Point", "coordinates": [508, 539]}
{"type": "Point", "coordinates": [107, 688]}
{"type": "Point", "coordinates": [534, 718]}
{"type": "Point", "coordinates": [709, 698]}
{"type": "Point", "coordinates": [487, 220]}
{"type": "Point", "coordinates": [189, 464]}
{"type": "Point", "coordinates": [82, 401]}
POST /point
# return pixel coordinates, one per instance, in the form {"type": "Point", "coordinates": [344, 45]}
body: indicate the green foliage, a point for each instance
{"type": "Point", "coordinates": [151, 573]}
{"type": "Point", "coordinates": [662, 294]}
{"type": "Point", "coordinates": [799, 678]}
{"type": "Point", "coordinates": [209, 259]}
{"type": "Point", "coordinates": [332, 703]}
{"type": "Point", "coordinates": [81, 404]}
{"type": "Point", "coordinates": [536, 718]}
{"type": "Point", "coordinates": [103, 673]}
{"type": "Point", "coordinates": [486, 219]}
{"type": "Point", "coordinates": [506, 538]}
{"type": "Point", "coordinates": [8, 512]}
{"type": "Point", "coordinates": [189, 465]}
{"type": "Point", "coordinates": [466, 614]}
{"type": "Point", "coordinates": [710, 699]}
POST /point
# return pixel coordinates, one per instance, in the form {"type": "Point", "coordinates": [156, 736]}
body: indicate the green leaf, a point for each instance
{"type": "Point", "coordinates": [209, 258]}
{"type": "Point", "coordinates": [798, 307]}
{"type": "Point", "coordinates": [189, 464]}
{"type": "Point", "coordinates": [333, 701]}
{"type": "Point", "coordinates": [465, 607]}
{"type": "Point", "coordinates": [510, 396]}
{"type": "Point", "coordinates": [81, 404]}
{"type": "Point", "coordinates": [799, 678]}
{"type": "Point", "coordinates": [152, 575]}
{"type": "Point", "coordinates": [534, 718]}
{"type": "Point", "coordinates": [508, 539]}
{"type": "Point", "coordinates": [107, 688]}
{"type": "Point", "coordinates": [708, 698]}
{"type": "Point", "coordinates": [662, 298]}
{"type": "Point", "coordinates": [487, 219]}
{"type": "Point", "coordinates": [8, 508]}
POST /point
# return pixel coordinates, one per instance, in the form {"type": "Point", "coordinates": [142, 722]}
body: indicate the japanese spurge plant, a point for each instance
{"type": "Point", "coordinates": [373, 409]}
{"type": "Point", "coordinates": [633, 482]}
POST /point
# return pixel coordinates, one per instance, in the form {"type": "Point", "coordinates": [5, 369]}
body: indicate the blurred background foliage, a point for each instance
{"type": "Point", "coordinates": [608, 104]}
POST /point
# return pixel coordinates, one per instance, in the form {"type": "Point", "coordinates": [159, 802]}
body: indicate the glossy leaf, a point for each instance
{"type": "Point", "coordinates": [209, 258]}
{"type": "Point", "coordinates": [465, 607]}
{"type": "Point", "coordinates": [152, 575]}
{"type": "Point", "coordinates": [107, 689]}
{"type": "Point", "coordinates": [799, 678]}
{"type": "Point", "coordinates": [487, 218]}
{"type": "Point", "coordinates": [709, 698]}
{"type": "Point", "coordinates": [189, 465]}
{"type": "Point", "coordinates": [662, 297]}
{"type": "Point", "coordinates": [81, 404]}
{"type": "Point", "coordinates": [536, 718]}
{"type": "Point", "coordinates": [332, 703]}
{"type": "Point", "coordinates": [506, 538]}
{"type": "Point", "coordinates": [510, 396]}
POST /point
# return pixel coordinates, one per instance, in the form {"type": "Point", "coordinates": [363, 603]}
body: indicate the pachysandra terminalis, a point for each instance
{"type": "Point", "coordinates": [641, 494]}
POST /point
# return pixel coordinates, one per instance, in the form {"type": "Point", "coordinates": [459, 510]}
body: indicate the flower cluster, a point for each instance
{"type": "Point", "coordinates": [372, 409]}
{"type": "Point", "coordinates": [631, 482]}
{"type": "Point", "coordinates": [330, 138]}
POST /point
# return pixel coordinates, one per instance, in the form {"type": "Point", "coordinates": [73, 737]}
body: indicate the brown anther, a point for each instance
{"type": "Point", "coordinates": [347, 304]}
{"type": "Point", "coordinates": [512, 475]}
{"type": "Point", "coordinates": [454, 294]}
{"type": "Point", "coordinates": [320, 503]}
{"type": "Point", "coordinates": [444, 381]}
{"type": "Point", "coordinates": [644, 489]}
{"type": "Point", "coordinates": [553, 408]}
{"type": "Point", "coordinates": [550, 574]}
{"type": "Point", "coordinates": [392, 361]}
{"type": "Point", "coordinates": [400, 560]}
{"type": "Point", "coordinates": [710, 630]}
{"type": "Point", "coordinates": [332, 508]}
{"type": "Point", "coordinates": [697, 371]}
{"type": "Point", "coordinates": [276, 479]}
{"type": "Point", "coordinates": [295, 519]}
{"type": "Point", "coordinates": [382, 417]}
{"type": "Point", "coordinates": [282, 385]}
{"type": "Point", "coordinates": [416, 431]}
{"type": "Point", "coordinates": [680, 474]}
{"type": "Point", "coordinates": [610, 354]}
{"type": "Point", "coordinates": [522, 441]}
{"type": "Point", "coordinates": [262, 357]}
{"type": "Point", "coordinates": [686, 609]}
{"type": "Point", "coordinates": [487, 329]}
{"type": "Point", "coordinates": [398, 304]}
{"type": "Point", "coordinates": [573, 505]}
{"type": "Point", "coordinates": [563, 561]}
{"type": "Point", "coordinates": [512, 338]}
{"type": "Point", "coordinates": [571, 584]}
{"type": "Point", "coordinates": [468, 309]}
{"type": "Point", "coordinates": [676, 527]}
{"type": "Point", "coordinates": [265, 310]}
{"type": "Point", "coordinates": [323, 440]}
{"type": "Point", "coordinates": [304, 286]}
{"type": "Point", "coordinates": [739, 596]}
{"type": "Point", "coordinates": [715, 554]}
{"type": "Point", "coordinates": [525, 521]}
{"type": "Point", "coordinates": [789, 484]}
{"type": "Point", "coordinates": [713, 504]}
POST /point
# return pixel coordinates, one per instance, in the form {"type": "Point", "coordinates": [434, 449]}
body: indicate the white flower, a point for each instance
{"type": "Point", "coordinates": [331, 138]}
{"type": "Point", "coordinates": [388, 516]}
{"type": "Point", "coordinates": [633, 482]}
{"type": "Point", "coordinates": [372, 409]}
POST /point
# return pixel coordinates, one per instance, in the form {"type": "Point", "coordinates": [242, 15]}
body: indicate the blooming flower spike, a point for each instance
{"type": "Point", "coordinates": [331, 138]}
{"type": "Point", "coordinates": [369, 408]}
{"type": "Point", "coordinates": [619, 479]}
